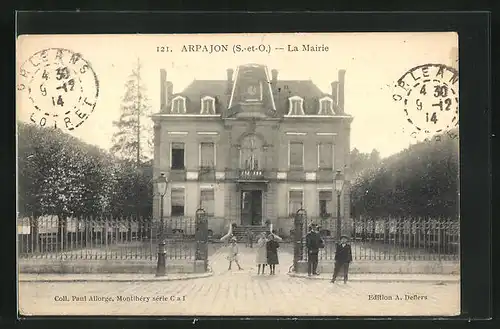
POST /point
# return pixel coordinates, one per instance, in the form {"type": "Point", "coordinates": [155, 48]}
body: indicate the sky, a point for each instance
{"type": "Point", "coordinates": [373, 63]}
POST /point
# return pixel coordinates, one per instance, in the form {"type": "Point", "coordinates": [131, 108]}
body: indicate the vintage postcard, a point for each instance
{"type": "Point", "coordinates": [298, 174]}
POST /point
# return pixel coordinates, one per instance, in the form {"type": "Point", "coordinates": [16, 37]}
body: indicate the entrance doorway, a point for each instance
{"type": "Point", "coordinates": [251, 207]}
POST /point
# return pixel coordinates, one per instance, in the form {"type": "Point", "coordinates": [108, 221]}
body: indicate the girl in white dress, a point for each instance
{"type": "Point", "coordinates": [261, 256]}
{"type": "Point", "coordinates": [233, 248]}
{"type": "Point", "coordinates": [233, 253]}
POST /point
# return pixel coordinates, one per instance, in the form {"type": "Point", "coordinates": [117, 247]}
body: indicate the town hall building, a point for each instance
{"type": "Point", "coordinates": [252, 148]}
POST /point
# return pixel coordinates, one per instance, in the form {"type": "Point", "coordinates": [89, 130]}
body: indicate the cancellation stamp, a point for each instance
{"type": "Point", "coordinates": [61, 86]}
{"type": "Point", "coordinates": [429, 95]}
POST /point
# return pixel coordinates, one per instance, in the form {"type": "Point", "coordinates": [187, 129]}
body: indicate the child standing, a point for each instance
{"type": "Point", "coordinates": [343, 257]}
{"type": "Point", "coordinates": [233, 253]}
{"type": "Point", "coordinates": [272, 253]}
{"type": "Point", "coordinates": [261, 254]}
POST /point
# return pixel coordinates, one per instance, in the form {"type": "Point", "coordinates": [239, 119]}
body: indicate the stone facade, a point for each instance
{"type": "Point", "coordinates": [250, 123]}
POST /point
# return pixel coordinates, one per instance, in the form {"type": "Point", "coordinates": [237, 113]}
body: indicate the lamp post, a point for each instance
{"type": "Point", "coordinates": [161, 185]}
{"type": "Point", "coordinates": [339, 184]}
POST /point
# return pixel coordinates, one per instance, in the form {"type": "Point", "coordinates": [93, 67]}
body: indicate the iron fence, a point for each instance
{"type": "Point", "coordinates": [390, 238]}
{"type": "Point", "coordinates": [96, 238]}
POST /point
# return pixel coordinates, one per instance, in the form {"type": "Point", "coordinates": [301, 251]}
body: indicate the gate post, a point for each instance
{"type": "Point", "coordinates": [201, 237]}
{"type": "Point", "coordinates": [298, 248]}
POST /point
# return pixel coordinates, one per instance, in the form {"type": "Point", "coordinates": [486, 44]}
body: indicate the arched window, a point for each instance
{"type": "Point", "coordinates": [325, 106]}
{"type": "Point", "coordinates": [251, 153]}
{"type": "Point", "coordinates": [178, 105]}
{"type": "Point", "coordinates": [296, 105]}
{"type": "Point", "coordinates": [207, 105]}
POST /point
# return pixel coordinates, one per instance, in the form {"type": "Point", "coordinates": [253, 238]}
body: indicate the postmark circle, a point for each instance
{"type": "Point", "coordinates": [429, 97]}
{"type": "Point", "coordinates": [61, 86]}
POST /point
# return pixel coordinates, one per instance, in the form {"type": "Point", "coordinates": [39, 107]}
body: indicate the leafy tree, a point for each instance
{"type": "Point", "coordinates": [133, 139]}
{"type": "Point", "coordinates": [60, 175]}
{"type": "Point", "coordinates": [374, 158]}
{"type": "Point", "coordinates": [363, 161]}
{"type": "Point", "coordinates": [419, 181]}
{"type": "Point", "coordinates": [131, 190]}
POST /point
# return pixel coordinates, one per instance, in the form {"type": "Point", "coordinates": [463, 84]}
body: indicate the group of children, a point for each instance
{"type": "Point", "coordinates": [266, 251]}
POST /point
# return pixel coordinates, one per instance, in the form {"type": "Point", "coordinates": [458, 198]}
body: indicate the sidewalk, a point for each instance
{"type": "Point", "coordinates": [362, 277]}
{"type": "Point", "coordinates": [218, 268]}
{"type": "Point", "coordinates": [28, 277]}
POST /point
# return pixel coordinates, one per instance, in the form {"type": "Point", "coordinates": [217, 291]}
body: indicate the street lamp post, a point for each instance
{"type": "Point", "coordinates": [339, 184]}
{"type": "Point", "coordinates": [161, 185]}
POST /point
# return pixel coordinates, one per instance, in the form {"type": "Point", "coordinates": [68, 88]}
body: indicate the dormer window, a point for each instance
{"type": "Point", "coordinates": [207, 105]}
{"type": "Point", "coordinates": [325, 106]}
{"type": "Point", "coordinates": [296, 105]}
{"type": "Point", "coordinates": [178, 105]}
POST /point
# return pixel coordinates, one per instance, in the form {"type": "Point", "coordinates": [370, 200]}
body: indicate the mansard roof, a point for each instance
{"type": "Point", "coordinates": [305, 89]}
{"type": "Point", "coordinates": [283, 89]}
{"type": "Point", "coordinates": [198, 89]}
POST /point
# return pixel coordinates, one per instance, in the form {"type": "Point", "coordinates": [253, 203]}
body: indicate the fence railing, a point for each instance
{"type": "Point", "coordinates": [106, 238]}
{"type": "Point", "coordinates": [391, 238]}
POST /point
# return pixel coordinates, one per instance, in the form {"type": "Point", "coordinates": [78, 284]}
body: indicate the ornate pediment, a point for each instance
{"type": "Point", "coordinates": [252, 95]}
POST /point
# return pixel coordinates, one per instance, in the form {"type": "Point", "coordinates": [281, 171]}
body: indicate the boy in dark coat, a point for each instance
{"type": "Point", "coordinates": [343, 257]}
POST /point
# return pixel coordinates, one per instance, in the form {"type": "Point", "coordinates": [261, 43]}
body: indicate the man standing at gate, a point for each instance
{"type": "Point", "coordinates": [313, 244]}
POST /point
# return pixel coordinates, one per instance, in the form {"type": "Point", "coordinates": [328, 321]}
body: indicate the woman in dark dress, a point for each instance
{"type": "Point", "coordinates": [272, 253]}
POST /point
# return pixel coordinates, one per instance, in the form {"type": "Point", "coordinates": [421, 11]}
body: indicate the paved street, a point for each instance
{"type": "Point", "coordinates": [240, 293]}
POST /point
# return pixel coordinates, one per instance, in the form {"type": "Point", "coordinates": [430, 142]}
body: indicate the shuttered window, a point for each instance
{"type": "Point", "coordinates": [294, 201]}
{"type": "Point", "coordinates": [207, 198]}
{"type": "Point", "coordinates": [177, 202]}
{"type": "Point", "coordinates": [325, 155]}
{"type": "Point", "coordinates": [207, 155]}
{"type": "Point", "coordinates": [296, 155]}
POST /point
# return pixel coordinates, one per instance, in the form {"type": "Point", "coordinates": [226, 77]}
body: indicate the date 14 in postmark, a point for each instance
{"type": "Point", "coordinates": [429, 97]}
{"type": "Point", "coordinates": [61, 86]}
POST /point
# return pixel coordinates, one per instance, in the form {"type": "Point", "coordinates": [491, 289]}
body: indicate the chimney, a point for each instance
{"type": "Point", "coordinates": [170, 92]}
{"type": "Point", "coordinates": [274, 74]}
{"type": "Point", "coordinates": [230, 73]}
{"type": "Point", "coordinates": [340, 98]}
{"type": "Point", "coordinates": [335, 92]}
{"type": "Point", "coordinates": [163, 90]}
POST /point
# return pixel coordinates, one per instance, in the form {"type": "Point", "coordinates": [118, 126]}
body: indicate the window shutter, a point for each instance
{"type": "Point", "coordinates": [295, 201]}
{"type": "Point", "coordinates": [207, 201]}
{"type": "Point", "coordinates": [296, 154]}
{"type": "Point", "coordinates": [207, 154]}
{"type": "Point", "coordinates": [177, 197]}
{"type": "Point", "coordinates": [326, 155]}
{"type": "Point", "coordinates": [207, 195]}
